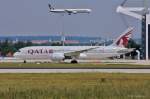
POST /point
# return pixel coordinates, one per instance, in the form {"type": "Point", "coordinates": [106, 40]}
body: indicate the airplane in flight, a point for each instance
{"type": "Point", "coordinates": [74, 53]}
{"type": "Point", "coordinates": [68, 11]}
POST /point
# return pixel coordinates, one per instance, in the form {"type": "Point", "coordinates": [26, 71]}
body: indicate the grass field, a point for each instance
{"type": "Point", "coordinates": [75, 86]}
{"type": "Point", "coordinates": [68, 65]}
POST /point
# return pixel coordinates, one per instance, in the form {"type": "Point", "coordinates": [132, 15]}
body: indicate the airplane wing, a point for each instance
{"type": "Point", "coordinates": [126, 50]}
{"type": "Point", "coordinates": [68, 11]}
{"type": "Point", "coordinates": [77, 53]}
{"type": "Point", "coordinates": [74, 11]}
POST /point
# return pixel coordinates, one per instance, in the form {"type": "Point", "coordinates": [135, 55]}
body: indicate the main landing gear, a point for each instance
{"type": "Point", "coordinates": [74, 61]}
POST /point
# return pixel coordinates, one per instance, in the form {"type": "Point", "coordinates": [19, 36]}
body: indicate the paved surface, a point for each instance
{"type": "Point", "coordinates": [74, 70]}
{"type": "Point", "coordinates": [116, 61]}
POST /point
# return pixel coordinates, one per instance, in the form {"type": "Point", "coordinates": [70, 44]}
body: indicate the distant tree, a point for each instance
{"type": "Point", "coordinates": [8, 47]}
{"type": "Point", "coordinates": [28, 43]}
{"type": "Point", "coordinates": [19, 45]}
{"type": "Point", "coordinates": [56, 44]}
{"type": "Point", "coordinates": [133, 44]}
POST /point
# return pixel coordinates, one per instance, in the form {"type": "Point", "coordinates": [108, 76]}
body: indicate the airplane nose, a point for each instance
{"type": "Point", "coordinates": [16, 54]}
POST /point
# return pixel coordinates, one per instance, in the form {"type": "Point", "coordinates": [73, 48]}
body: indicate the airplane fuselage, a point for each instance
{"type": "Point", "coordinates": [70, 11]}
{"type": "Point", "coordinates": [58, 52]}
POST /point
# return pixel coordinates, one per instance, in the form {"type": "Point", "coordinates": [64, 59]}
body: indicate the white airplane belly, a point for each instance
{"type": "Point", "coordinates": [98, 55]}
{"type": "Point", "coordinates": [35, 57]}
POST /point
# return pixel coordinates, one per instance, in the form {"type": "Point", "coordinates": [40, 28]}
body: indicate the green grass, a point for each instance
{"type": "Point", "coordinates": [75, 86]}
{"type": "Point", "coordinates": [68, 65]}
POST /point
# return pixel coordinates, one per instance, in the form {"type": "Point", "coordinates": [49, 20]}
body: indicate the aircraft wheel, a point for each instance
{"type": "Point", "coordinates": [74, 61]}
{"type": "Point", "coordinates": [24, 61]}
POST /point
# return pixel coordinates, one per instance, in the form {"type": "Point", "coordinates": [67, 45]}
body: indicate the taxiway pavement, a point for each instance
{"type": "Point", "coordinates": [74, 70]}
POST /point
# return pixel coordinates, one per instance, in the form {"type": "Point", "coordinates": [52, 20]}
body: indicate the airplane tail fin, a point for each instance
{"type": "Point", "coordinates": [122, 40]}
{"type": "Point", "coordinates": [50, 6]}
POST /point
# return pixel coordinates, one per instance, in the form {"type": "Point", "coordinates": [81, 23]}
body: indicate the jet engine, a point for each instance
{"type": "Point", "coordinates": [57, 56]}
{"type": "Point", "coordinates": [74, 12]}
{"type": "Point", "coordinates": [82, 56]}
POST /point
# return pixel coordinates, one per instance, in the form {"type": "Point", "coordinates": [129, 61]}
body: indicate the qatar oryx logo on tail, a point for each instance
{"type": "Point", "coordinates": [122, 40]}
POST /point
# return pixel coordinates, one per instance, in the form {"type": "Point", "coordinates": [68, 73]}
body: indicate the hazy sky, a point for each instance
{"type": "Point", "coordinates": [31, 17]}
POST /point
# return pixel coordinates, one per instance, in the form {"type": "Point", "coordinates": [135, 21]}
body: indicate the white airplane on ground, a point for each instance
{"type": "Point", "coordinates": [61, 53]}
{"type": "Point", "coordinates": [69, 11]}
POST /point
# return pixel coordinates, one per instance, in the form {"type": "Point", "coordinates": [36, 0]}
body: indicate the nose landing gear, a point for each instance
{"type": "Point", "coordinates": [24, 61]}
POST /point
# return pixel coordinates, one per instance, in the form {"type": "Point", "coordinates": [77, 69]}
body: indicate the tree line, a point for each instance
{"type": "Point", "coordinates": [9, 47]}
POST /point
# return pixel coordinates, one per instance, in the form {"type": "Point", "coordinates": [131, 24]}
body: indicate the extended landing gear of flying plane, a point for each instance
{"type": "Point", "coordinates": [74, 61]}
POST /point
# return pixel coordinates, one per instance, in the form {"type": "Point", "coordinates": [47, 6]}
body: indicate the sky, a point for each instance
{"type": "Point", "coordinates": [31, 17]}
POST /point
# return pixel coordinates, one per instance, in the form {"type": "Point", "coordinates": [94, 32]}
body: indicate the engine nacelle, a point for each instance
{"type": "Point", "coordinates": [82, 56]}
{"type": "Point", "coordinates": [57, 56]}
{"type": "Point", "coordinates": [74, 12]}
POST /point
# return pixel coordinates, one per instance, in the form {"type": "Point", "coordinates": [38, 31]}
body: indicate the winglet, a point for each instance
{"type": "Point", "coordinates": [122, 40]}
